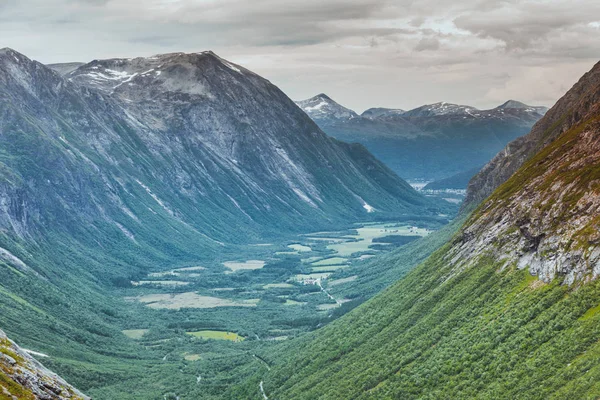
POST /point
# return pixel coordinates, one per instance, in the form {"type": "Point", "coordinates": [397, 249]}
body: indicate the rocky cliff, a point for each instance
{"type": "Point", "coordinates": [571, 109]}
{"type": "Point", "coordinates": [23, 377]}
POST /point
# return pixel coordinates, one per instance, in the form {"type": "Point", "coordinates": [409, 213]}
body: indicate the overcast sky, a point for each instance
{"type": "Point", "coordinates": [395, 53]}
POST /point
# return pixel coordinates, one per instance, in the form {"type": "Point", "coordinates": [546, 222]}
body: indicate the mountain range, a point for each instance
{"type": "Point", "coordinates": [164, 137]}
{"type": "Point", "coordinates": [508, 308]}
{"type": "Point", "coordinates": [430, 142]}
{"type": "Point", "coordinates": [116, 168]}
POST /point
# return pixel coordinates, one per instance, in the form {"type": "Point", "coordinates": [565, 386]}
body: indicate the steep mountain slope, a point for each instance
{"type": "Point", "coordinates": [434, 141]}
{"type": "Point", "coordinates": [507, 309]}
{"type": "Point", "coordinates": [568, 111]}
{"type": "Point", "coordinates": [191, 132]}
{"type": "Point", "coordinates": [23, 377]}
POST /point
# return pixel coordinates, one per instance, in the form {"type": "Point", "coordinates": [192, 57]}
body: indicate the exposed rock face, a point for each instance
{"type": "Point", "coordinates": [568, 111]}
{"type": "Point", "coordinates": [23, 377]}
{"type": "Point", "coordinates": [546, 217]}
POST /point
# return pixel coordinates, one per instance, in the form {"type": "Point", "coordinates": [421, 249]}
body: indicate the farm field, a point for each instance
{"type": "Point", "coordinates": [189, 300]}
{"type": "Point", "coordinates": [217, 335]}
{"type": "Point", "coordinates": [235, 266]}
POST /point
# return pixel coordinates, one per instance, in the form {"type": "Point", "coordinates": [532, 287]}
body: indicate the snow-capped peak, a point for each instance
{"type": "Point", "coordinates": [514, 104]}
{"type": "Point", "coordinates": [323, 109]}
{"type": "Point", "coordinates": [441, 108]}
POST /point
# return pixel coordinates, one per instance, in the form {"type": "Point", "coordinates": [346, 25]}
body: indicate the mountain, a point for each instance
{"type": "Point", "coordinates": [65, 68]}
{"type": "Point", "coordinates": [509, 308]}
{"type": "Point", "coordinates": [564, 115]}
{"type": "Point", "coordinates": [324, 110]}
{"type": "Point", "coordinates": [438, 109]}
{"type": "Point", "coordinates": [23, 377]}
{"type": "Point", "coordinates": [178, 133]}
{"type": "Point", "coordinates": [378, 112]}
{"type": "Point", "coordinates": [518, 105]}
{"type": "Point", "coordinates": [459, 181]}
{"type": "Point", "coordinates": [126, 167]}
{"type": "Point", "coordinates": [434, 141]}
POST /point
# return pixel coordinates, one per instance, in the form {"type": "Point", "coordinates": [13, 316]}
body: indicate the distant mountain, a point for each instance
{"type": "Point", "coordinates": [507, 309]}
{"type": "Point", "coordinates": [459, 181]}
{"type": "Point", "coordinates": [324, 110]}
{"type": "Point", "coordinates": [378, 112]}
{"type": "Point", "coordinates": [433, 141]}
{"type": "Point", "coordinates": [557, 120]}
{"type": "Point", "coordinates": [519, 105]}
{"type": "Point", "coordinates": [438, 109]}
{"type": "Point", "coordinates": [65, 68]}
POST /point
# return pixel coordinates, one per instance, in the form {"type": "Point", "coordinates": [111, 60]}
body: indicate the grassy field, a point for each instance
{"type": "Point", "coordinates": [246, 265]}
{"type": "Point", "coordinates": [330, 261]}
{"type": "Point", "coordinates": [300, 248]}
{"type": "Point", "coordinates": [135, 333]}
{"type": "Point", "coordinates": [278, 286]}
{"type": "Point", "coordinates": [325, 307]}
{"type": "Point", "coordinates": [217, 335]}
{"type": "Point", "coordinates": [342, 281]}
{"type": "Point", "coordinates": [289, 302]}
{"type": "Point", "coordinates": [160, 283]}
{"type": "Point", "coordinates": [189, 300]}
{"type": "Point", "coordinates": [192, 357]}
{"type": "Point", "coordinates": [363, 239]}
{"type": "Point", "coordinates": [328, 268]}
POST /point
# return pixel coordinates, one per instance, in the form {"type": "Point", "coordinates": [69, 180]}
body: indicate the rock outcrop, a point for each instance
{"type": "Point", "coordinates": [546, 216]}
{"type": "Point", "coordinates": [23, 377]}
{"type": "Point", "coordinates": [572, 108]}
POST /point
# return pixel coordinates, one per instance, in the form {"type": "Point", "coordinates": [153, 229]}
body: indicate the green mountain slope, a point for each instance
{"type": "Point", "coordinates": [507, 309]}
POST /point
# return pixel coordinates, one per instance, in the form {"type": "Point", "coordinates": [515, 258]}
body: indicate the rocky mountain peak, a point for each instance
{"type": "Point", "coordinates": [380, 112]}
{"type": "Point", "coordinates": [138, 78]}
{"type": "Point", "coordinates": [439, 109]}
{"type": "Point", "coordinates": [321, 108]}
{"type": "Point", "coordinates": [517, 105]}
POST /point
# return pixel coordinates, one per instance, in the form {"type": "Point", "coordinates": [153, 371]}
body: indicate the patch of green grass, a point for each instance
{"type": "Point", "coordinates": [591, 313]}
{"type": "Point", "coordinates": [217, 335]}
{"type": "Point", "coordinates": [331, 261]}
{"type": "Point", "coordinates": [135, 334]}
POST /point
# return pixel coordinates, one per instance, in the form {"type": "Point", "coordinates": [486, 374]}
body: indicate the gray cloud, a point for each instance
{"type": "Point", "coordinates": [428, 43]}
{"type": "Point", "coordinates": [396, 53]}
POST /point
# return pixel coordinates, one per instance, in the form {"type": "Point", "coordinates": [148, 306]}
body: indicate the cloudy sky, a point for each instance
{"type": "Point", "coordinates": [363, 53]}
